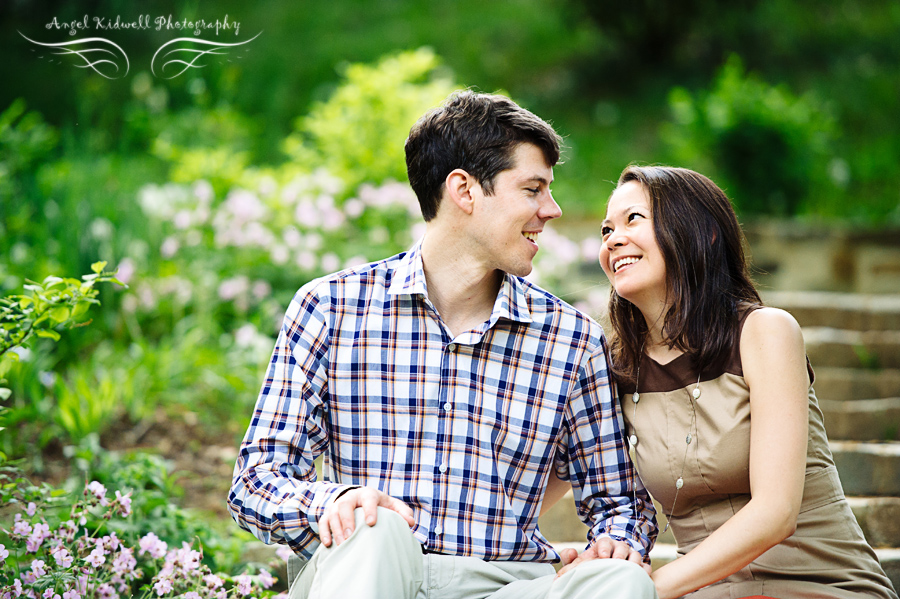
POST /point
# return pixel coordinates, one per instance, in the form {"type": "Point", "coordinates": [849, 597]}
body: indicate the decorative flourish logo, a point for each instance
{"type": "Point", "coordinates": [106, 63]}
{"type": "Point", "coordinates": [173, 58]}
{"type": "Point", "coordinates": [193, 54]}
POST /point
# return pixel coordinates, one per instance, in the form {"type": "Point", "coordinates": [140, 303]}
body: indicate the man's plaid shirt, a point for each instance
{"type": "Point", "coordinates": [465, 430]}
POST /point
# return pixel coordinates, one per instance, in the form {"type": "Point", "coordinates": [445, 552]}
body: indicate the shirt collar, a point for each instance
{"type": "Point", "coordinates": [409, 279]}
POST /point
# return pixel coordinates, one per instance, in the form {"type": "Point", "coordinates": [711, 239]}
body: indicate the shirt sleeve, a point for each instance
{"type": "Point", "coordinates": [274, 492]}
{"type": "Point", "coordinates": [609, 496]}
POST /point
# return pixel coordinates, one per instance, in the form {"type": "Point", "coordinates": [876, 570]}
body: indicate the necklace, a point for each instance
{"type": "Point", "coordinates": [692, 429]}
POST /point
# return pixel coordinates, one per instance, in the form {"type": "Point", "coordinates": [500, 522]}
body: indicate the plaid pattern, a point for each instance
{"type": "Point", "coordinates": [466, 430]}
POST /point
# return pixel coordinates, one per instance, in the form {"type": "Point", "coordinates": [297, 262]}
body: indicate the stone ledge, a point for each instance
{"type": "Point", "coordinates": [862, 419]}
{"type": "Point", "coordinates": [868, 468]}
{"type": "Point", "coordinates": [847, 384]}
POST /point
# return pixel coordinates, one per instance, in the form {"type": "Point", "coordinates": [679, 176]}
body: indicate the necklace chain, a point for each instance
{"type": "Point", "coordinates": [692, 429]}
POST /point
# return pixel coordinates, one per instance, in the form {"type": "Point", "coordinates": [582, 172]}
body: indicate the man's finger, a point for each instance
{"type": "Point", "coordinates": [346, 521]}
{"type": "Point", "coordinates": [325, 529]}
{"type": "Point", "coordinates": [568, 556]}
{"type": "Point", "coordinates": [604, 548]}
{"type": "Point", "coordinates": [401, 508]}
{"type": "Point", "coordinates": [369, 503]}
{"type": "Point", "coordinates": [621, 550]}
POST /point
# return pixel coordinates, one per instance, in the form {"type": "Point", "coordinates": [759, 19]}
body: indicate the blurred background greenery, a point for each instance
{"type": "Point", "coordinates": [218, 193]}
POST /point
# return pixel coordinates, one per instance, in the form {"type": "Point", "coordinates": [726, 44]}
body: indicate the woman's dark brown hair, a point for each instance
{"type": "Point", "coordinates": [707, 276]}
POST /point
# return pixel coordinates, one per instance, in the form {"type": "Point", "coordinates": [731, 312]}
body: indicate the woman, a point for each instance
{"type": "Point", "coordinates": [755, 509]}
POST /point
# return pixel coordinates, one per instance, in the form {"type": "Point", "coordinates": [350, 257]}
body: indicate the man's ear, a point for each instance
{"type": "Point", "coordinates": [459, 185]}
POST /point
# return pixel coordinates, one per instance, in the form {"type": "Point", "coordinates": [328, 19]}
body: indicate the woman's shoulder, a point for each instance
{"type": "Point", "coordinates": [764, 324]}
{"type": "Point", "coordinates": [770, 338]}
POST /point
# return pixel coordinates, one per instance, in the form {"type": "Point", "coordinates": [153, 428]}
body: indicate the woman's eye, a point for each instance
{"type": "Point", "coordinates": [532, 190]}
{"type": "Point", "coordinates": [634, 214]}
{"type": "Point", "coordinates": [604, 231]}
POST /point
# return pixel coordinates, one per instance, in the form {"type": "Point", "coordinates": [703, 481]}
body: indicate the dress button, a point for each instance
{"type": "Point", "coordinates": [448, 406]}
{"type": "Point", "coordinates": [442, 468]}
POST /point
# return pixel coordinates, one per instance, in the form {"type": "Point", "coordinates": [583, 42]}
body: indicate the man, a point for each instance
{"type": "Point", "coordinates": [444, 391]}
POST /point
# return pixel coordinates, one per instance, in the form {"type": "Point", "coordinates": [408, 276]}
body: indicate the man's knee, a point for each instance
{"type": "Point", "coordinates": [622, 578]}
{"type": "Point", "coordinates": [388, 523]}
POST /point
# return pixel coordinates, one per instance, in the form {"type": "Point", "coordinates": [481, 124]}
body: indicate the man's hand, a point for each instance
{"type": "Point", "coordinates": [602, 548]}
{"type": "Point", "coordinates": [338, 521]}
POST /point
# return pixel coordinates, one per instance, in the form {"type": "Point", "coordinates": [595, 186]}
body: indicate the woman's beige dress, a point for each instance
{"type": "Point", "coordinates": [827, 556]}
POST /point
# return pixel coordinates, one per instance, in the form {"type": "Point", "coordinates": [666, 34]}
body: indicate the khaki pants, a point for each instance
{"type": "Point", "coordinates": [385, 561]}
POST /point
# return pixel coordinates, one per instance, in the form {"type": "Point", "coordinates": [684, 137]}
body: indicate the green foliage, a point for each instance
{"type": "Point", "coordinates": [49, 305]}
{"type": "Point", "coordinates": [767, 146]}
{"type": "Point", "coordinates": [358, 133]}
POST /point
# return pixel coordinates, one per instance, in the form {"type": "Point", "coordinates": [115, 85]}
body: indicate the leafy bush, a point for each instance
{"type": "Point", "coordinates": [88, 551]}
{"type": "Point", "coordinates": [766, 146]}
{"type": "Point", "coordinates": [358, 133]}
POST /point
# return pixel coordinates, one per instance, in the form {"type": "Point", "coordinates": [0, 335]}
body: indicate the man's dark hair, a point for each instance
{"type": "Point", "coordinates": [477, 133]}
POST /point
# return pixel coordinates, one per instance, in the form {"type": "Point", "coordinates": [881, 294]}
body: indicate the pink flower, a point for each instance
{"type": "Point", "coordinates": [37, 567]}
{"type": "Point", "coordinates": [169, 247]}
{"type": "Point", "coordinates": [124, 562]}
{"type": "Point", "coordinates": [106, 591]}
{"type": "Point", "coordinates": [99, 491]}
{"type": "Point", "coordinates": [31, 509]}
{"type": "Point", "coordinates": [266, 579]}
{"type": "Point", "coordinates": [22, 528]}
{"type": "Point", "coordinates": [81, 585]}
{"type": "Point", "coordinates": [96, 558]}
{"type": "Point", "coordinates": [17, 588]}
{"type": "Point", "coordinates": [71, 595]}
{"type": "Point", "coordinates": [125, 271]}
{"type": "Point", "coordinates": [213, 581]}
{"type": "Point", "coordinates": [124, 502]}
{"type": "Point", "coordinates": [163, 586]}
{"type": "Point", "coordinates": [284, 552]}
{"type": "Point", "coordinates": [242, 584]}
{"type": "Point", "coordinates": [62, 557]}
{"type": "Point", "coordinates": [192, 595]}
{"type": "Point", "coordinates": [151, 544]}
{"type": "Point", "coordinates": [3, 553]}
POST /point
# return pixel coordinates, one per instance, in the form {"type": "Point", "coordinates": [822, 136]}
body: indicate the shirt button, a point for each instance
{"type": "Point", "coordinates": [438, 530]}
{"type": "Point", "coordinates": [451, 347]}
{"type": "Point", "coordinates": [633, 440]}
{"type": "Point", "coordinates": [448, 406]}
{"type": "Point", "coordinates": [442, 468]}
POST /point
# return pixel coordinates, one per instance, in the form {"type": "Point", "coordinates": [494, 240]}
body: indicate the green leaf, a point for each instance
{"type": "Point", "coordinates": [5, 393]}
{"type": "Point", "coordinates": [24, 302]}
{"type": "Point", "coordinates": [80, 308]}
{"type": "Point", "coordinates": [48, 333]}
{"type": "Point", "coordinates": [60, 313]}
{"type": "Point", "coordinates": [98, 267]}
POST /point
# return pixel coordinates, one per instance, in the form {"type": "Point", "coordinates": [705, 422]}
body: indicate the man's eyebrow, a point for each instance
{"type": "Point", "coordinates": [539, 179]}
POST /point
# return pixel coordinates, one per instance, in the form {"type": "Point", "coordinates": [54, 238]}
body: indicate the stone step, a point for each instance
{"type": "Point", "coordinates": [842, 384]}
{"type": "Point", "coordinates": [862, 419]}
{"type": "Point", "coordinates": [826, 346]}
{"type": "Point", "coordinates": [839, 310]}
{"type": "Point", "coordinates": [879, 518]}
{"type": "Point", "coordinates": [868, 468]}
